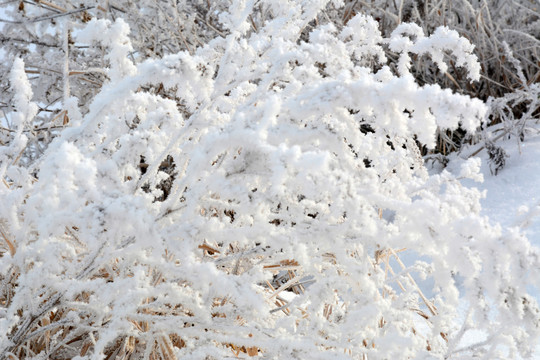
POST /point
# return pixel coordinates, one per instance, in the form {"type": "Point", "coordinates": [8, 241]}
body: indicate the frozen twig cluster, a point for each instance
{"type": "Point", "coordinates": [506, 40]}
{"type": "Point", "coordinates": [256, 193]}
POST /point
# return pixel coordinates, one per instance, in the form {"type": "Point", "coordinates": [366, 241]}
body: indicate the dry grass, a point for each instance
{"type": "Point", "coordinates": [507, 43]}
{"type": "Point", "coordinates": [506, 73]}
{"type": "Point", "coordinates": [53, 334]}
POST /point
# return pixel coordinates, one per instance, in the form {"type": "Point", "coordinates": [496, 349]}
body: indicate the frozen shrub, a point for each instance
{"type": "Point", "coordinates": [506, 35]}
{"type": "Point", "coordinates": [255, 196]}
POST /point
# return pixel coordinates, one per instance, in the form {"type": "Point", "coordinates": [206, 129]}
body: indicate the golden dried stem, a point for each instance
{"type": "Point", "coordinates": [10, 244]}
{"type": "Point", "coordinates": [51, 5]}
{"type": "Point", "coordinates": [285, 286]}
{"type": "Point", "coordinates": [428, 303]}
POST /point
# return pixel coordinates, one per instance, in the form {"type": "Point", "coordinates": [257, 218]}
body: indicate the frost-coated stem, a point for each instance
{"type": "Point", "coordinates": [278, 150]}
{"type": "Point", "coordinates": [65, 70]}
{"type": "Point", "coordinates": [464, 328]}
{"type": "Point", "coordinates": [400, 12]}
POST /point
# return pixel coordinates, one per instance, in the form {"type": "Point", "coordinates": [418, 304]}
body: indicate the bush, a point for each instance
{"type": "Point", "coordinates": [255, 196]}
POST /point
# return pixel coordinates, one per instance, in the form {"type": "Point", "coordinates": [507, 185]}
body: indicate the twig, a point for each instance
{"type": "Point", "coordinates": [283, 308]}
{"type": "Point", "coordinates": [11, 246]}
{"type": "Point", "coordinates": [428, 303]}
{"type": "Point", "coordinates": [211, 26]}
{"type": "Point", "coordinates": [36, 129]}
{"type": "Point", "coordinates": [517, 32]}
{"type": "Point", "coordinates": [400, 12]}
{"type": "Point", "coordinates": [285, 286]}
{"type": "Point", "coordinates": [8, 2]}
{"type": "Point", "coordinates": [48, 17]}
{"type": "Point", "coordinates": [473, 346]}
{"type": "Point", "coordinates": [43, 329]}
{"type": "Point", "coordinates": [51, 6]}
{"type": "Point", "coordinates": [5, 39]}
{"type": "Point", "coordinates": [483, 146]}
{"type": "Point", "coordinates": [65, 68]}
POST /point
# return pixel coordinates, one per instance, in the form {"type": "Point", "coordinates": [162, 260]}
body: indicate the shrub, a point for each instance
{"type": "Point", "coordinates": [255, 197]}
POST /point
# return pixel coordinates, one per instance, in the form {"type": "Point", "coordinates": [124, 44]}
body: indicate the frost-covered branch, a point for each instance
{"type": "Point", "coordinates": [262, 193]}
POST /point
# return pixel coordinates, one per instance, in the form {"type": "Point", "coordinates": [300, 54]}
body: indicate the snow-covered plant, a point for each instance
{"type": "Point", "coordinates": [42, 34]}
{"type": "Point", "coordinates": [516, 114]}
{"type": "Point", "coordinates": [487, 24]}
{"type": "Point", "coordinates": [272, 201]}
{"type": "Point", "coordinates": [505, 34]}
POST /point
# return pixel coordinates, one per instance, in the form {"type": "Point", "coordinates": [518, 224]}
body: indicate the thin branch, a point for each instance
{"type": "Point", "coordinates": [35, 130]}
{"type": "Point", "coordinates": [47, 17]}
{"type": "Point", "coordinates": [210, 26]}
{"type": "Point", "coordinates": [6, 39]}
{"type": "Point", "coordinates": [521, 33]}
{"type": "Point", "coordinates": [65, 68]}
{"type": "Point", "coordinates": [50, 6]}
{"type": "Point", "coordinates": [473, 346]}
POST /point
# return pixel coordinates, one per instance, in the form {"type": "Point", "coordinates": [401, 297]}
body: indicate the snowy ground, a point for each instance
{"type": "Point", "coordinates": [513, 195]}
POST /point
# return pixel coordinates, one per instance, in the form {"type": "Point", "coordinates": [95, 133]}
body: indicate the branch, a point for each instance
{"type": "Point", "coordinates": [6, 39]}
{"type": "Point", "coordinates": [49, 6]}
{"type": "Point", "coordinates": [47, 17]}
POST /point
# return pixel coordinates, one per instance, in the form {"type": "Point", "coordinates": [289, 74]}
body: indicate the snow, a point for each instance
{"type": "Point", "coordinates": [512, 199]}
{"type": "Point", "coordinates": [274, 170]}
{"type": "Point", "coordinates": [513, 196]}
